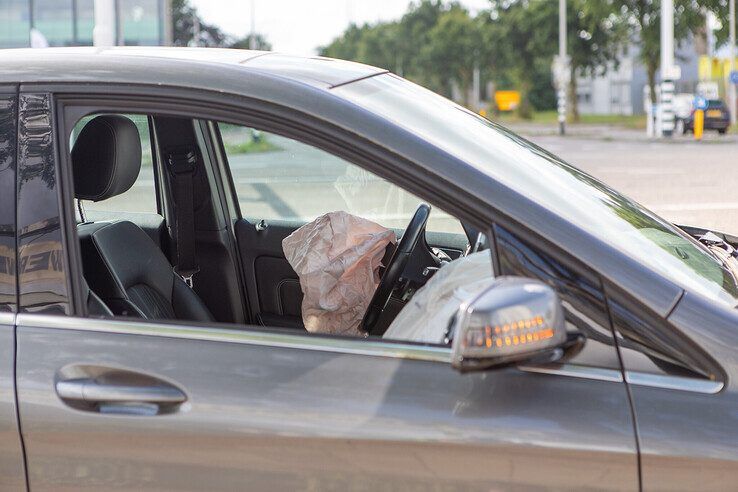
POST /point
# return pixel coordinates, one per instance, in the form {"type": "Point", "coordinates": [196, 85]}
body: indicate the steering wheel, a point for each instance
{"type": "Point", "coordinates": [397, 263]}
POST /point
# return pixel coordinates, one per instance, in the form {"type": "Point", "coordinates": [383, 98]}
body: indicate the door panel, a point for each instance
{"type": "Point", "coordinates": [267, 411]}
{"type": "Point", "coordinates": [12, 473]}
{"type": "Point", "coordinates": [273, 286]}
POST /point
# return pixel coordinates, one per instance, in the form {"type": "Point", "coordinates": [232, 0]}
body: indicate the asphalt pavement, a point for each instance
{"type": "Point", "coordinates": [685, 181]}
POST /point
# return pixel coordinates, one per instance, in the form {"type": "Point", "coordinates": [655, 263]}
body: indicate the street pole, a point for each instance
{"type": "Point", "coordinates": [732, 63]}
{"type": "Point", "coordinates": [103, 34]}
{"type": "Point", "coordinates": [252, 38]}
{"type": "Point", "coordinates": [562, 56]}
{"type": "Point", "coordinates": [195, 29]}
{"type": "Point", "coordinates": [667, 67]}
{"type": "Point", "coordinates": [476, 86]}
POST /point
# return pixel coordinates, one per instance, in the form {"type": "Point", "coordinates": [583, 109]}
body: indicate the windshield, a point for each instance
{"type": "Point", "coordinates": [535, 173]}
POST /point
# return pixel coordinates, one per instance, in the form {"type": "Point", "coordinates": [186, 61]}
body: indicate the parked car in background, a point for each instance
{"type": "Point", "coordinates": [717, 117]}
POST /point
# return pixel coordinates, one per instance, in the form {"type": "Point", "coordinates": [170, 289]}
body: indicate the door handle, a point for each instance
{"type": "Point", "coordinates": [118, 391]}
{"type": "Point", "coordinates": [90, 391]}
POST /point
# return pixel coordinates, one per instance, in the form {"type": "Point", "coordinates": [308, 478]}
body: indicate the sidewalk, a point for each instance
{"type": "Point", "coordinates": [612, 133]}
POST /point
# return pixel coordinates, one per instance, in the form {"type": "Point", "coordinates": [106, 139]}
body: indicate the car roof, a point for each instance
{"type": "Point", "coordinates": [92, 64]}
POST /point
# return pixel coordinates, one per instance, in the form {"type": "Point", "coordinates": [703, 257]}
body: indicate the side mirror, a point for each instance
{"type": "Point", "coordinates": [513, 320]}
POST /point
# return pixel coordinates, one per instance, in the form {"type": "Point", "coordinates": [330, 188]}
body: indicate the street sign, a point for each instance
{"type": "Point", "coordinates": [700, 102]}
{"type": "Point", "coordinates": [734, 77]}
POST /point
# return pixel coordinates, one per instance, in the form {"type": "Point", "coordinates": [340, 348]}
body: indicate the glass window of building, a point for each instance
{"type": "Point", "coordinates": [54, 19]}
{"type": "Point", "coordinates": [85, 22]}
{"type": "Point", "coordinates": [140, 22]}
{"type": "Point", "coordinates": [15, 23]}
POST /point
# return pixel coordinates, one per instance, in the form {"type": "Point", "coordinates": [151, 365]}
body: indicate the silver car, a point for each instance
{"type": "Point", "coordinates": [153, 336]}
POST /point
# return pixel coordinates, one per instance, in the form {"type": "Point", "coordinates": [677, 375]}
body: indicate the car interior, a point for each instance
{"type": "Point", "coordinates": [196, 233]}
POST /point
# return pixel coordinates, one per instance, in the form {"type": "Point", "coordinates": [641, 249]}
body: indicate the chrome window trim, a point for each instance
{"type": "Point", "coordinates": [358, 346]}
{"type": "Point", "coordinates": [680, 383]}
{"type": "Point", "coordinates": [574, 371]}
{"type": "Point", "coordinates": [7, 318]}
{"type": "Point", "coordinates": [635, 378]}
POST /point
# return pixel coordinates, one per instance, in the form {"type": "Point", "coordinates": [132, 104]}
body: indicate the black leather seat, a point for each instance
{"type": "Point", "coordinates": [122, 265]}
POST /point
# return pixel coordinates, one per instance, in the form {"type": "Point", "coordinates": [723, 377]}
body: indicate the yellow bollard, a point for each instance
{"type": "Point", "coordinates": [699, 124]}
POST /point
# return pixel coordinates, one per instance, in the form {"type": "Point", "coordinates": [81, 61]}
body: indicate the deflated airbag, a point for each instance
{"type": "Point", "coordinates": [337, 258]}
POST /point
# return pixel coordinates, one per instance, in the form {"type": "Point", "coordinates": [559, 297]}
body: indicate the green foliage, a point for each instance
{"type": "Point", "coordinates": [183, 20]}
{"type": "Point", "coordinates": [643, 20]}
{"type": "Point", "coordinates": [242, 140]}
{"type": "Point", "coordinates": [260, 43]}
{"type": "Point", "coordinates": [183, 17]}
{"type": "Point", "coordinates": [513, 42]}
{"type": "Point", "coordinates": [250, 147]}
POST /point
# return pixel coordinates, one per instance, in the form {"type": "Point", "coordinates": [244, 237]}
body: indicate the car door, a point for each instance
{"type": "Point", "coordinates": [137, 405]}
{"type": "Point", "coordinates": [12, 473]}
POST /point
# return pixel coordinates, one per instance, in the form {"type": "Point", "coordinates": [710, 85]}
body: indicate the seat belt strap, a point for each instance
{"type": "Point", "coordinates": [182, 163]}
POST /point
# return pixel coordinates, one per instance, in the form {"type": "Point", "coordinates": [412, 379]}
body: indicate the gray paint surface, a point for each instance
{"type": "Point", "coordinates": [12, 473]}
{"type": "Point", "coordinates": [265, 418]}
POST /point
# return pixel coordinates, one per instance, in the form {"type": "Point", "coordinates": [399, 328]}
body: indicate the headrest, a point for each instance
{"type": "Point", "coordinates": [106, 158]}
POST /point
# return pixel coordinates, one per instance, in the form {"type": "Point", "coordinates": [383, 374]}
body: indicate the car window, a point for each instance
{"type": "Point", "coordinates": [141, 198]}
{"type": "Point", "coordinates": [279, 178]}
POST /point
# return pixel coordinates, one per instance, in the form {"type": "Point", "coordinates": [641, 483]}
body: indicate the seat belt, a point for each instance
{"type": "Point", "coordinates": [182, 162]}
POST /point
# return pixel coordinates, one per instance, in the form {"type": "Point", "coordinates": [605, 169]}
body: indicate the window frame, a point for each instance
{"type": "Point", "coordinates": [69, 107]}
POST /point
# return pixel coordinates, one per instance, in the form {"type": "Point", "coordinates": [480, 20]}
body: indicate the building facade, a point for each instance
{"type": "Point", "coordinates": [621, 89]}
{"type": "Point", "coordinates": [70, 22]}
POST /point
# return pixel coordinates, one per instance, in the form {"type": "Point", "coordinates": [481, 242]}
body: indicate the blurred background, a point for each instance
{"type": "Point", "coordinates": [594, 81]}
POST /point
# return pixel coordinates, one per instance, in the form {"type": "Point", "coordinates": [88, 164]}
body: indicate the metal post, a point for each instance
{"type": "Point", "coordinates": [476, 87]}
{"type": "Point", "coordinates": [732, 63]}
{"type": "Point", "coordinates": [195, 29]}
{"type": "Point", "coordinates": [104, 32]}
{"type": "Point", "coordinates": [667, 67]}
{"type": "Point", "coordinates": [252, 38]}
{"type": "Point", "coordinates": [561, 103]}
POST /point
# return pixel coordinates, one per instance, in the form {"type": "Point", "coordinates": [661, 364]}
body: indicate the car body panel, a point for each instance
{"type": "Point", "coordinates": [8, 148]}
{"type": "Point", "coordinates": [12, 471]}
{"type": "Point", "coordinates": [12, 467]}
{"type": "Point", "coordinates": [687, 438]}
{"type": "Point", "coordinates": [42, 263]}
{"type": "Point", "coordinates": [267, 413]}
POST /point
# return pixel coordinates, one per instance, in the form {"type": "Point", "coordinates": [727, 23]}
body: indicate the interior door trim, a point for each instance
{"type": "Point", "coordinates": [353, 346]}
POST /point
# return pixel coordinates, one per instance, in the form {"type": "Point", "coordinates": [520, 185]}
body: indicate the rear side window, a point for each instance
{"type": "Point", "coordinates": [141, 198]}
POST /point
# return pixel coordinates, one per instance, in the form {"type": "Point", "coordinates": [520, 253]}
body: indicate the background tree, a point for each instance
{"type": "Point", "coordinates": [643, 18]}
{"type": "Point", "coordinates": [184, 17]}
{"type": "Point", "coordinates": [452, 51]}
{"type": "Point", "coordinates": [183, 20]}
{"type": "Point", "coordinates": [528, 32]}
{"type": "Point", "coordinates": [260, 43]}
